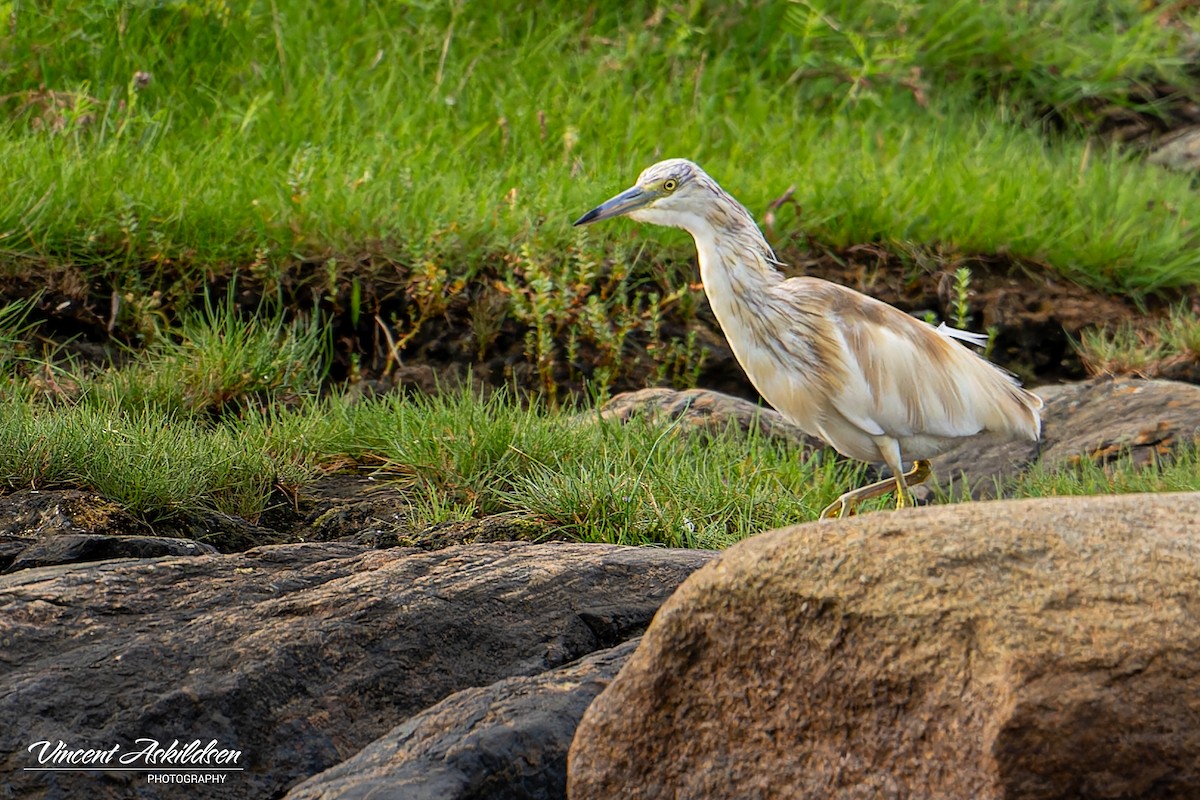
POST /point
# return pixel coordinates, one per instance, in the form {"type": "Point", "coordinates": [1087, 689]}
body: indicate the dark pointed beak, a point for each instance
{"type": "Point", "coordinates": [626, 201]}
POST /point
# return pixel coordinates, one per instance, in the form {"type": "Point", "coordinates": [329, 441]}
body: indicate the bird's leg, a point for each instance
{"type": "Point", "coordinates": [845, 505]}
{"type": "Point", "coordinates": [919, 473]}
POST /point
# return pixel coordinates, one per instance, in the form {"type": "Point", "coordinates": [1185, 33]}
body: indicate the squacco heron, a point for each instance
{"type": "Point", "coordinates": [872, 381]}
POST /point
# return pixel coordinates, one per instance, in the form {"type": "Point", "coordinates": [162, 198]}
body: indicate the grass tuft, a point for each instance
{"type": "Point", "coordinates": [154, 465]}
{"type": "Point", "coordinates": [1147, 349]}
{"type": "Point", "coordinates": [220, 360]}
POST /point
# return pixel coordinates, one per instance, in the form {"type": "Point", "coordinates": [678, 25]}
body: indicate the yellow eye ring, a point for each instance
{"type": "Point", "coordinates": [670, 184]}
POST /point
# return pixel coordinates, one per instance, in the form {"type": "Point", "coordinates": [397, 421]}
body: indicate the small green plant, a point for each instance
{"type": "Point", "coordinates": [961, 302]}
{"type": "Point", "coordinates": [679, 361]}
{"type": "Point", "coordinates": [431, 506]}
{"type": "Point", "coordinates": [61, 112]}
{"type": "Point", "coordinates": [583, 319]}
{"type": "Point", "coordinates": [488, 311]}
{"type": "Point", "coordinates": [429, 292]}
{"type": "Point", "coordinates": [960, 311]}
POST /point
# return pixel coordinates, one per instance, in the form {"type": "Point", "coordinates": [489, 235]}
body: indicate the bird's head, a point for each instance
{"type": "Point", "coordinates": [674, 192]}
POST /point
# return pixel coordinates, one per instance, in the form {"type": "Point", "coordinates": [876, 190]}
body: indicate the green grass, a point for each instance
{"type": "Point", "coordinates": [402, 162]}
{"type": "Point", "coordinates": [14, 329]}
{"type": "Point", "coordinates": [458, 456]}
{"type": "Point", "coordinates": [224, 413]}
{"type": "Point", "coordinates": [450, 132]}
{"type": "Point", "coordinates": [455, 456]}
{"type": "Point", "coordinates": [1142, 348]}
{"type": "Point", "coordinates": [1178, 472]}
{"type": "Point", "coordinates": [153, 465]}
{"type": "Point", "coordinates": [164, 438]}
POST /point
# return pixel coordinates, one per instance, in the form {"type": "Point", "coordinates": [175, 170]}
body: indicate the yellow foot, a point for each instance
{"type": "Point", "coordinates": [847, 504]}
{"type": "Point", "coordinates": [842, 507]}
{"type": "Point", "coordinates": [920, 472]}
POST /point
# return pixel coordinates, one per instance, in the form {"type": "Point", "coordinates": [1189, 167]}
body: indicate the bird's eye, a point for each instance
{"type": "Point", "coordinates": [669, 185]}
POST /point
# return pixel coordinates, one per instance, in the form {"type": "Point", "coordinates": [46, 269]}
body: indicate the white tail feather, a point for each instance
{"type": "Point", "coordinates": [977, 339]}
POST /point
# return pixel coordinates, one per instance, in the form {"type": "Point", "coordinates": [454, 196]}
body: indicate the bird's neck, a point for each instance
{"type": "Point", "coordinates": [732, 248]}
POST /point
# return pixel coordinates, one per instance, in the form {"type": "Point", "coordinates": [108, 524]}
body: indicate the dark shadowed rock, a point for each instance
{"type": "Point", "coordinates": [364, 509]}
{"type": "Point", "coordinates": [11, 547]}
{"type": "Point", "coordinates": [503, 527]}
{"type": "Point", "coordinates": [72, 548]}
{"type": "Point", "coordinates": [1017, 650]}
{"type": "Point", "coordinates": [32, 513]}
{"type": "Point", "coordinates": [348, 507]}
{"type": "Point", "coordinates": [507, 741]}
{"type": "Point", "coordinates": [297, 655]}
{"type": "Point", "coordinates": [1179, 150]}
{"type": "Point", "coordinates": [33, 518]}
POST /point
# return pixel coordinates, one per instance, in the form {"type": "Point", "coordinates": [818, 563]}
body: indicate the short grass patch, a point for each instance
{"type": "Point", "coordinates": [1176, 472]}
{"type": "Point", "coordinates": [586, 477]}
{"type": "Point", "coordinates": [154, 465]}
{"type": "Point", "coordinates": [460, 455]}
{"type": "Point", "coordinates": [457, 455]}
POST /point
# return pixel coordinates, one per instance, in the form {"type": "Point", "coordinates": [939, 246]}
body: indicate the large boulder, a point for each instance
{"type": "Point", "coordinates": [296, 655]}
{"type": "Point", "coordinates": [1020, 649]}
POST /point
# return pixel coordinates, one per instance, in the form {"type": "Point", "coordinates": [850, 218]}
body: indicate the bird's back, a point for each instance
{"type": "Point", "coordinates": [848, 368]}
{"type": "Point", "coordinates": [901, 378]}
